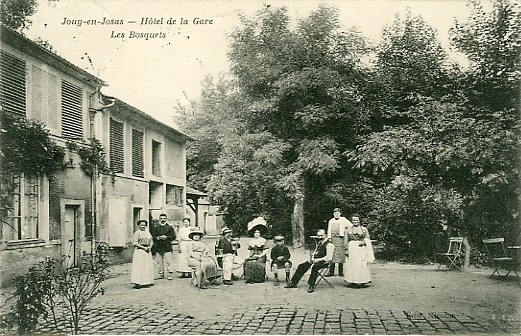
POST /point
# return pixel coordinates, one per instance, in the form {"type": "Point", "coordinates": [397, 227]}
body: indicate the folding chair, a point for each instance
{"type": "Point", "coordinates": [322, 276]}
{"type": "Point", "coordinates": [453, 254]}
{"type": "Point", "coordinates": [498, 257]}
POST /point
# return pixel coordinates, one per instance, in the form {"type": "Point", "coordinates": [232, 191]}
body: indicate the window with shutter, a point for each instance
{"type": "Point", "coordinates": [52, 101]}
{"type": "Point", "coordinates": [156, 158]}
{"type": "Point", "coordinates": [37, 94]}
{"type": "Point", "coordinates": [137, 153]}
{"type": "Point", "coordinates": [174, 195]}
{"type": "Point", "coordinates": [44, 97]}
{"type": "Point", "coordinates": [12, 85]}
{"type": "Point", "coordinates": [117, 162]}
{"type": "Point", "coordinates": [72, 107]}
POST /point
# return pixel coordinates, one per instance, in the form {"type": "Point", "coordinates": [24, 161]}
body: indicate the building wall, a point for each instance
{"type": "Point", "coordinates": [16, 261]}
{"type": "Point", "coordinates": [174, 159]}
{"type": "Point", "coordinates": [43, 102]}
{"type": "Point", "coordinates": [66, 198]}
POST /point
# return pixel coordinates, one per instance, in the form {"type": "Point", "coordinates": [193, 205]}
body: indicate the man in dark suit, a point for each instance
{"type": "Point", "coordinates": [163, 236]}
{"type": "Point", "coordinates": [320, 259]}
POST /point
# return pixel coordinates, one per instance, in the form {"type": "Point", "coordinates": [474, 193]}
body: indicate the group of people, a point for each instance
{"type": "Point", "coordinates": [345, 243]}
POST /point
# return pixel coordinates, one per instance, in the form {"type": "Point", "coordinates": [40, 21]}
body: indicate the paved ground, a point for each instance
{"type": "Point", "coordinates": [403, 299]}
{"type": "Point", "coordinates": [278, 320]}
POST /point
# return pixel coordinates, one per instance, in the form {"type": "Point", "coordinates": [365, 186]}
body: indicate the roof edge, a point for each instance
{"type": "Point", "coordinates": [26, 45]}
{"type": "Point", "coordinates": [149, 118]}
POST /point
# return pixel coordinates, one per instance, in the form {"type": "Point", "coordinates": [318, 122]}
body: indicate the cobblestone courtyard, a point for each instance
{"type": "Point", "coordinates": [160, 320]}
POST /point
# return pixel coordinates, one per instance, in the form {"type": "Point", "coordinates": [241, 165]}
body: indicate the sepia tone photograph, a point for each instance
{"type": "Point", "coordinates": [197, 167]}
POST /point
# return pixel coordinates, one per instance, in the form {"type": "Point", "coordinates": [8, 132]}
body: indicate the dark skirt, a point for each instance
{"type": "Point", "coordinates": [255, 270]}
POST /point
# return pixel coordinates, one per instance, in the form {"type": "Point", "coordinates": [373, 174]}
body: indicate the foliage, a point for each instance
{"type": "Point", "coordinates": [59, 293]}
{"type": "Point", "coordinates": [25, 148]}
{"type": "Point", "coordinates": [492, 42]}
{"type": "Point", "coordinates": [410, 64]}
{"type": "Point", "coordinates": [45, 44]}
{"type": "Point", "coordinates": [93, 158]}
{"type": "Point", "coordinates": [421, 146]}
{"type": "Point", "coordinates": [210, 122]}
{"type": "Point", "coordinates": [14, 13]}
{"type": "Point", "coordinates": [298, 83]}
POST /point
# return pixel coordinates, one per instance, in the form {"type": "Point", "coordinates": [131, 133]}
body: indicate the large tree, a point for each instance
{"type": "Point", "coordinates": [304, 89]}
{"type": "Point", "coordinates": [450, 158]}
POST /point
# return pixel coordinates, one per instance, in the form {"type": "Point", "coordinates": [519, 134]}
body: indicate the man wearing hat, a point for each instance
{"type": "Point", "coordinates": [280, 258]}
{"type": "Point", "coordinates": [335, 231]}
{"type": "Point", "coordinates": [231, 263]}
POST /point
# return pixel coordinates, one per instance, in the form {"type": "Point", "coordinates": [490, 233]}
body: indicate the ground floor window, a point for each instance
{"type": "Point", "coordinates": [23, 218]}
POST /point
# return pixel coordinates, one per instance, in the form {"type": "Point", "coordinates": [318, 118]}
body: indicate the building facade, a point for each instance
{"type": "Point", "coordinates": [73, 211]}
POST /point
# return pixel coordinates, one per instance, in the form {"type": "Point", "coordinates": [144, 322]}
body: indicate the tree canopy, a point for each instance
{"type": "Point", "coordinates": [420, 146]}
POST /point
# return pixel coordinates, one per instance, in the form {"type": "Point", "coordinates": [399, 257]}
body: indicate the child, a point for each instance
{"type": "Point", "coordinates": [280, 258]}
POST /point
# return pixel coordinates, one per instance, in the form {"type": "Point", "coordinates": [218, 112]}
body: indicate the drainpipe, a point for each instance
{"type": "Point", "coordinates": [95, 174]}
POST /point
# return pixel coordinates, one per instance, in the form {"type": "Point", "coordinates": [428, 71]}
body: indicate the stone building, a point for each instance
{"type": "Point", "coordinates": [72, 211]}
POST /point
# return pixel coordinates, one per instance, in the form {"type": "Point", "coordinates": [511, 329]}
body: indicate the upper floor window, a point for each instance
{"type": "Point", "coordinates": [117, 162]}
{"type": "Point", "coordinates": [174, 195]}
{"type": "Point", "coordinates": [156, 158]}
{"type": "Point", "coordinates": [137, 153]}
{"type": "Point", "coordinates": [12, 85]}
{"type": "Point", "coordinates": [72, 111]}
{"type": "Point", "coordinates": [44, 97]}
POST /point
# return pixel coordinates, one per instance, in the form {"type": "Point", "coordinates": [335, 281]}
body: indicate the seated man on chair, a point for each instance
{"type": "Point", "coordinates": [319, 259]}
{"type": "Point", "coordinates": [231, 263]}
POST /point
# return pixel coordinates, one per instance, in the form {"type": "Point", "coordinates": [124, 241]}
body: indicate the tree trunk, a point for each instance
{"type": "Point", "coordinates": [297, 219]}
{"type": "Point", "coordinates": [466, 263]}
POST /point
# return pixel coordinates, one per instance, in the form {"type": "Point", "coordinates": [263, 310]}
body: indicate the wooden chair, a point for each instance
{"type": "Point", "coordinates": [322, 276]}
{"type": "Point", "coordinates": [499, 258]}
{"type": "Point", "coordinates": [452, 257]}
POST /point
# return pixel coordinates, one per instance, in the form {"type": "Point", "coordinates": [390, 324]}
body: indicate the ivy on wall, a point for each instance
{"type": "Point", "coordinates": [93, 157]}
{"type": "Point", "coordinates": [25, 148]}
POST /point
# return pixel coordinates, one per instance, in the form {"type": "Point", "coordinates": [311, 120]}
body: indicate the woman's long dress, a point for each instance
{"type": "Point", "coordinates": [360, 254]}
{"type": "Point", "coordinates": [184, 243]}
{"type": "Point", "coordinates": [142, 262]}
{"type": "Point", "coordinates": [255, 269]}
{"type": "Point", "coordinates": [208, 265]}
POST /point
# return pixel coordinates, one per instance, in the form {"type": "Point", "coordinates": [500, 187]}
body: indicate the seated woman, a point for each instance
{"type": "Point", "coordinates": [255, 264]}
{"type": "Point", "coordinates": [280, 258]}
{"type": "Point", "coordinates": [204, 267]}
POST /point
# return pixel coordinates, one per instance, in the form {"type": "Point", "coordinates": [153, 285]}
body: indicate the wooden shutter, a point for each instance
{"type": "Point", "coordinates": [12, 85]}
{"type": "Point", "coordinates": [72, 116]}
{"type": "Point", "coordinates": [37, 94]}
{"type": "Point", "coordinates": [44, 97]}
{"type": "Point", "coordinates": [52, 101]}
{"type": "Point", "coordinates": [137, 153]}
{"type": "Point", "coordinates": [116, 146]}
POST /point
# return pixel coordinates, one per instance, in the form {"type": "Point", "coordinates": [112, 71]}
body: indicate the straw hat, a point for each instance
{"type": "Point", "coordinates": [225, 230]}
{"type": "Point", "coordinates": [196, 231]}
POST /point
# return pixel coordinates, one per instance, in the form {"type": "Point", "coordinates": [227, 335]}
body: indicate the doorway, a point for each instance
{"type": "Point", "coordinates": [135, 217]}
{"type": "Point", "coordinates": [71, 238]}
